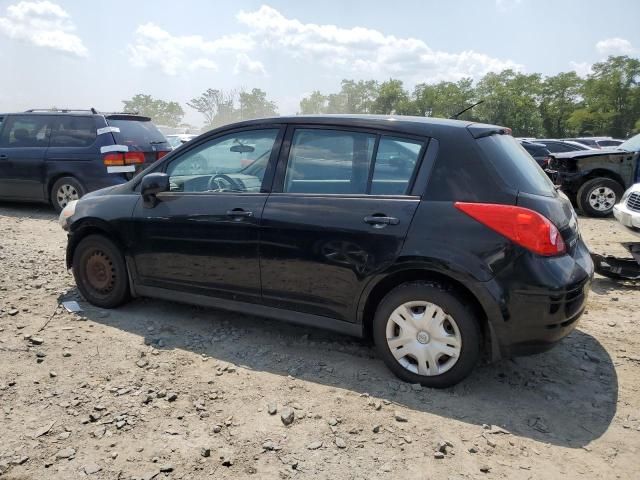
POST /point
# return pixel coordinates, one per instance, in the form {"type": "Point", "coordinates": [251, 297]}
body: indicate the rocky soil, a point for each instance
{"type": "Point", "coordinates": [167, 391]}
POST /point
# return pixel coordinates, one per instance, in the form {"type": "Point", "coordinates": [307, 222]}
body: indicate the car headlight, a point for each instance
{"type": "Point", "coordinates": [66, 213]}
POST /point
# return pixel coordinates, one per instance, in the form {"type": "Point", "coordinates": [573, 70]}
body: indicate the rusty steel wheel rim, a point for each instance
{"type": "Point", "coordinates": [101, 273]}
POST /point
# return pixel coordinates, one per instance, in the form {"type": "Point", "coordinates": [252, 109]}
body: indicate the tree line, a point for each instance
{"type": "Point", "coordinates": [605, 102]}
{"type": "Point", "coordinates": [218, 107]}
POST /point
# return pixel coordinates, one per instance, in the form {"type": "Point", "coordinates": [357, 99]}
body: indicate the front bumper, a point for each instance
{"type": "Point", "coordinates": [627, 217]}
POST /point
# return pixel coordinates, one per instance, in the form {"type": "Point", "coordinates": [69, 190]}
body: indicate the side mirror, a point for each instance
{"type": "Point", "coordinates": [151, 185]}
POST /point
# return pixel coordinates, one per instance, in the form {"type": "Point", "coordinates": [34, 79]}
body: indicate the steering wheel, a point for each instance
{"type": "Point", "coordinates": [220, 183]}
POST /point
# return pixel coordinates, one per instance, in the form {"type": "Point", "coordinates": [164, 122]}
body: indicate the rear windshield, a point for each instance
{"type": "Point", "coordinates": [139, 135]}
{"type": "Point", "coordinates": [515, 166]}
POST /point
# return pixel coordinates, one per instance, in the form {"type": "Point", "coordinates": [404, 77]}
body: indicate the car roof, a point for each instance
{"type": "Point", "coordinates": [406, 124]}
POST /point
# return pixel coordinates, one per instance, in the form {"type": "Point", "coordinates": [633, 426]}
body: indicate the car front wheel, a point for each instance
{"type": "Point", "coordinates": [597, 196]}
{"type": "Point", "coordinates": [425, 334]}
{"type": "Point", "coordinates": [100, 272]}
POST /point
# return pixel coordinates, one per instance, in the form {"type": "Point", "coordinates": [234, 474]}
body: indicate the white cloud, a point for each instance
{"type": "Point", "coordinates": [581, 68]}
{"type": "Point", "coordinates": [364, 50]}
{"type": "Point", "coordinates": [154, 46]}
{"type": "Point", "coordinates": [44, 24]}
{"type": "Point", "coordinates": [244, 64]}
{"type": "Point", "coordinates": [615, 46]}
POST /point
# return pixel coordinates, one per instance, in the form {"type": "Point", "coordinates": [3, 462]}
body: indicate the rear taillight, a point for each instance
{"type": "Point", "coordinates": [545, 162]}
{"type": "Point", "coordinates": [160, 154]}
{"type": "Point", "coordinates": [127, 158]}
{"type": "Point", "coordinates": [525, 227]}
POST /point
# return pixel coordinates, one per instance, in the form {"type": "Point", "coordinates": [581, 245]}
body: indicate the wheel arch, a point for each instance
{"type": "Point", "coordinates": [369, 304]}
{"type": "Point", "coordinates": [601, 173]}
{"type": "Point", "coordinates": [90, 226]}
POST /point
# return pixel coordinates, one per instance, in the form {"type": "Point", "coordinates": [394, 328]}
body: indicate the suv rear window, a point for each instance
{"type": "Point", "coordinates": [138, 134]}
{"type": "Point", "coordinates": [515, 166]}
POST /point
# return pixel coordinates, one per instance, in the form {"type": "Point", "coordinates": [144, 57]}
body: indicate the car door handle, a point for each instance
{"type": "Point", "coordinates": [4, 157]}
{"type": "Point", "coordinates": [239, 212]}
{"type": "Point", "coordinates": [381, 220]}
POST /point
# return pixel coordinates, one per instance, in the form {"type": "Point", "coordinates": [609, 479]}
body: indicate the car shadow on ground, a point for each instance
{"type": "Point", "coordinates": [39, 211]}
{"type": "Point", "coordinates": [566, 396]}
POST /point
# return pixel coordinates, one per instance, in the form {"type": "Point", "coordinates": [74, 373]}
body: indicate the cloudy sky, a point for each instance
{"type": "Point", "coordinates": [80, 53]}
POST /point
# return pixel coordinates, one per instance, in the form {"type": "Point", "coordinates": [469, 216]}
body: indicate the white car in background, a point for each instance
{"type": "Point", "coordinates": [178, 139]}
{"type": "Point", "coordinates": [627, 212]}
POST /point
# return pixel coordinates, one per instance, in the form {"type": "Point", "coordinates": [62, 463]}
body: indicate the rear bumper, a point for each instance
{"type": "Point", "coordinates": [541, 301]}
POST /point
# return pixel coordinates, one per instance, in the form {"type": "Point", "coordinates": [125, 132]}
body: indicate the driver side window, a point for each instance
{"type": "Point", "coordinates": [231, 163]}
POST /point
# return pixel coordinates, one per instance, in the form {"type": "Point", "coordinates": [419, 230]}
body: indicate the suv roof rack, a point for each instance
{"type": "Point", "coordinates": [62, 110]}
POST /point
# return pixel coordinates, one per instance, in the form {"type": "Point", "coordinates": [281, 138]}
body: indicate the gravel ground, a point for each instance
{"type": "Point", "coordinates": [160, 390]}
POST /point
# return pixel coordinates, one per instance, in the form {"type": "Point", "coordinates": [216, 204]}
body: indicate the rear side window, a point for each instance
{"type": "Point", "coordinates": [73, 131]}
{"type": "Point", "coordinates": [329, 162]}
{"type": "Point", "coordinates": [396, 160]}
{"type": "Point", "coordinates": [514, 166]}
{"type": "Point", "coordinates": [26, 131]}
{"type": "Point", "coordinates": [138, 135]}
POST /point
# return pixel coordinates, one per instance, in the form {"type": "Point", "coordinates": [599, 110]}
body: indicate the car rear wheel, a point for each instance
{"type": "Point", "coordinates": [65, 190]}
{"type": "Point", "coordinates": [100, 272]}
{"type": "Point", "coordinates": [426, 334]}
{"type": "Point", "coordinates": [597, 196]}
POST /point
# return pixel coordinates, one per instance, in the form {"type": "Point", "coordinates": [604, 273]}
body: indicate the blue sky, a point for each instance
{"type": "Point", "coordinates": [96, 53]}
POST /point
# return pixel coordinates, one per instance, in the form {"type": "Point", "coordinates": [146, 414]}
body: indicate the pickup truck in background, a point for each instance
{"type": "Point", "coordinates": [595, 180]}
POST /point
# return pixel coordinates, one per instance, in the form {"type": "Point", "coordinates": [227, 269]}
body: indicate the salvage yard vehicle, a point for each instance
{"type": "Point", "coordinates": [595, 179]}
{"type": "Point", "coordinates": [367, 225]}
{"type": "Point", "coordinates": [627, 212]}
{"type": "Point", "coordinates": [56, 156]}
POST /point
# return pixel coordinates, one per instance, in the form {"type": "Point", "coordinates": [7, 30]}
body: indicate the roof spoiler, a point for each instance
{"type": "Point", "coordinates": [127, 116]}
{"type": "Point", "coordinates": [479, 130]}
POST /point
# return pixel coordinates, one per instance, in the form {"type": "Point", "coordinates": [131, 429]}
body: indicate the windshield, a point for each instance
{"type": "Point", "coordinates": [631, 145]}
{"type": "Point", "coordinates": [138, 135]}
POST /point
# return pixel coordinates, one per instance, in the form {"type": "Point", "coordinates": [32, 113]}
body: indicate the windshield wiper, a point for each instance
{"type": "Point", "coordinates": [158, 142]}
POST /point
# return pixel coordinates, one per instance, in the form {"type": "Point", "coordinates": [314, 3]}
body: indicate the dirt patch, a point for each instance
{"type": "Point", "coordinates": [161, 390]}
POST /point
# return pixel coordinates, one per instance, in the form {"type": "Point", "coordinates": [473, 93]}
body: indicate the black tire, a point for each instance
{"type": "Point", "coordinates": [100, 272]}
{"type": "Point", "coordinates": [71, 187]}
{"type": "Point", "coordinates": [445, 298]}
{"type": "Point", "coordinates": [591, 187]}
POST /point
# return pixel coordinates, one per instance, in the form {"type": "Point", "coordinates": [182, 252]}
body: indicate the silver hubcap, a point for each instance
{"type": "Point", "coordinates": [65, 194]}
{"type": "Point", "coordinates": [602, 199]}
{"type": "Point", "coordinates": [423, 338]}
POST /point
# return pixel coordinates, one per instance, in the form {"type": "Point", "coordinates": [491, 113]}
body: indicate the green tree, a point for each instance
{"type": "Point", "coordinates": [561, 97]}
{"type": "Point", "coordinates": [443, 99]}
{"type": "Point", "coordinates": [511, 99]}
{"type": "Point", "coordinates": [314, 104]}
{"type": "Point", "coordinates": [611, 98]}
{"type": "Point", "coordinates": [216, 106]}
{"type": "Point", "coordinates": [160, 111]}
{"type": "Point", "coordinates": [391, 98]}
{"type": "Point", "coordinates": [254, 104]}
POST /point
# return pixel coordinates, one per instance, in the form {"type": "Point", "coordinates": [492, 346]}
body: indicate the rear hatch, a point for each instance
{"type": "Point", "coordinates": [534, 190]}
{"type": "Point", "coordinates": [139, 134]}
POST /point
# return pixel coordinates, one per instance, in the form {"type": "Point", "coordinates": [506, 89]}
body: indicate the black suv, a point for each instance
{"type": "Point", "coordinates": [441, 239]}
{"type": "Point", "coordinates": [56, 156]}
{"type": "Point", "coordinates": [595, 180]}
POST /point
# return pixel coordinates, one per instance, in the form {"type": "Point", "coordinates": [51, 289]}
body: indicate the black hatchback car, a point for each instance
{"type": "Point", "coordinates": [56, 156]}
{"type": "Point", "coordinates": [441, 239]}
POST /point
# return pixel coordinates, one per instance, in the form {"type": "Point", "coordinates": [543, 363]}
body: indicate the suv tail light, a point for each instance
{"type": "Point", "coordinates": [160, 154]}
{"type": "Point", "coordinates": [128, 158]}
{"type": "Point", "coordinates": [525, 227]}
